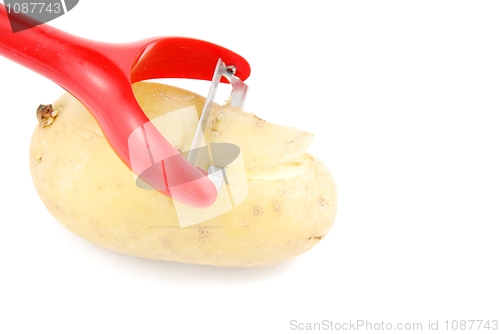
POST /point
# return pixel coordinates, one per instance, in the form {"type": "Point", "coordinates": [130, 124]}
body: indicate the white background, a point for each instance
{"type": "Point", "coordinates": [404, 99]}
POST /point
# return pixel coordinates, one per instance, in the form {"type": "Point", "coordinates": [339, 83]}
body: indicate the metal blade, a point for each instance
{"type": "Point", "coordinates": [236, 99]}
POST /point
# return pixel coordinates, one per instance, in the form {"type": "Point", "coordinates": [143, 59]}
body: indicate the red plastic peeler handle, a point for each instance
{"type": "Point", "coordinates": [100, 76]}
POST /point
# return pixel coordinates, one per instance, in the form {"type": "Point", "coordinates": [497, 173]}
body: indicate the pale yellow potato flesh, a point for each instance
{"type": "Point", "coordinates": [290, 207]}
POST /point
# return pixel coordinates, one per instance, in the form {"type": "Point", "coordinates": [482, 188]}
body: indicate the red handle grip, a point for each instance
{"type": "Point", "coordinates": [100, 76]}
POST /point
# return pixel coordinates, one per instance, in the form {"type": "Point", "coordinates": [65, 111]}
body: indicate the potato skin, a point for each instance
{"type": "Point", "coordinates": [89, 190]}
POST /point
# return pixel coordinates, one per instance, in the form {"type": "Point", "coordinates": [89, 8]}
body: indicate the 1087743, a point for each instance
{"type": "Point", "coordinates": [477, 325]}
{"type": "Point", "coordinates": [34, 7]}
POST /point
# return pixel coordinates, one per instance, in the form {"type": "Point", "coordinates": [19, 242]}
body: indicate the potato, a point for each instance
{"type": "Point", "coordinates": [290, 206]}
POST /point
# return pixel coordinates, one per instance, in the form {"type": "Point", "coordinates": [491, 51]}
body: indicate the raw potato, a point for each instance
{"type": "Point", "coordinates": [290, 207]}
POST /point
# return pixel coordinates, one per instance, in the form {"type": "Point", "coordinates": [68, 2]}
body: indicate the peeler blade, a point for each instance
{"type": "Point", "coordinates": [236, 99]}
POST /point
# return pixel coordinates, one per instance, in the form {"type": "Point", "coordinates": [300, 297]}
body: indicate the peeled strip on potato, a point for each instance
{"type": "Point", "coordinates": [290, 207]}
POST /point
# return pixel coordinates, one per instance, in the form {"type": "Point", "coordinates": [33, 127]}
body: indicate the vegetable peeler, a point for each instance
{"type": "Point", "coordinates": [100, 76]}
